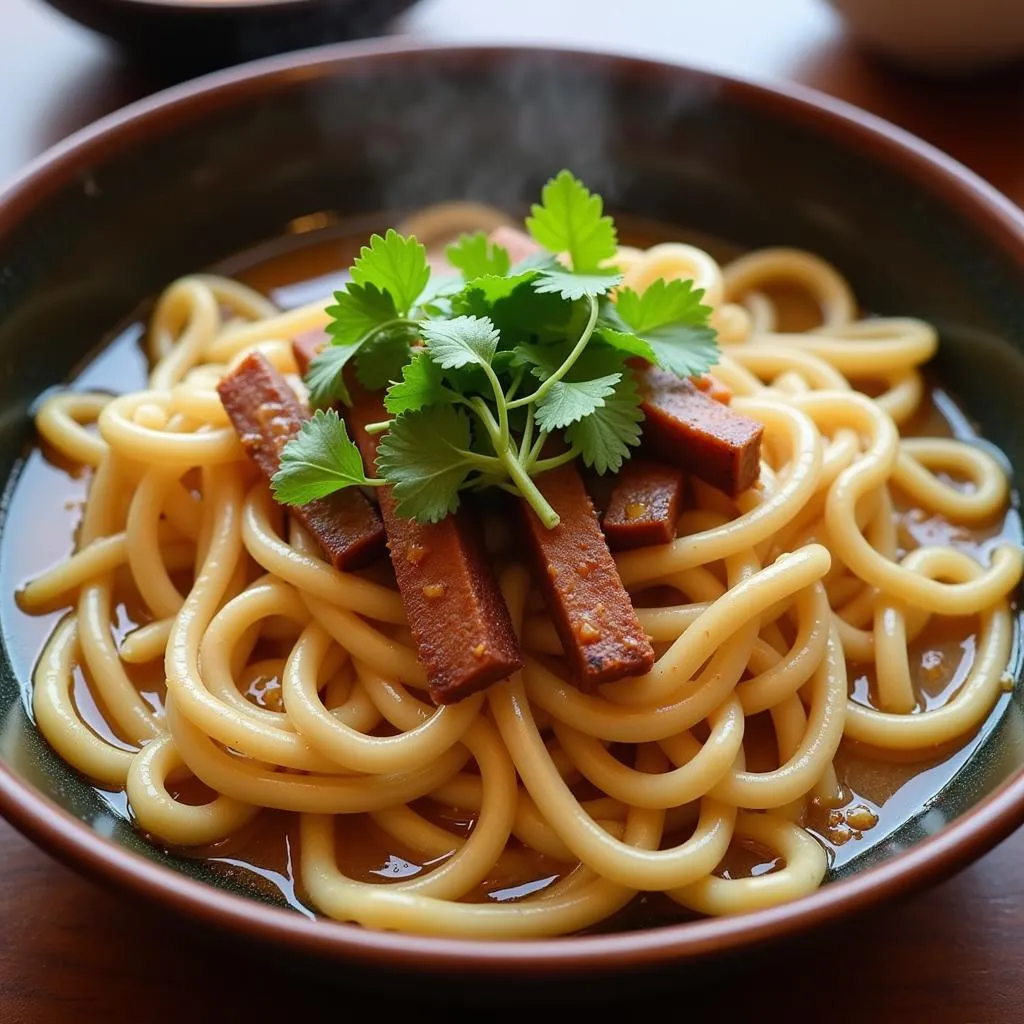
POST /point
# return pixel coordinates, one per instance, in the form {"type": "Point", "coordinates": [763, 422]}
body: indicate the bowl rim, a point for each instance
{"type": "Point", "coordinates": [77, 845]}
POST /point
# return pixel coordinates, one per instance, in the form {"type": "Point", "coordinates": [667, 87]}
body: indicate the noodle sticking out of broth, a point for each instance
{"type": "Point", "coordinates": [761, 608]}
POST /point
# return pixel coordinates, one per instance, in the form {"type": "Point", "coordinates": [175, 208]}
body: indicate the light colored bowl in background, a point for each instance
{"type": "Point", "coordinates": [938, 36]}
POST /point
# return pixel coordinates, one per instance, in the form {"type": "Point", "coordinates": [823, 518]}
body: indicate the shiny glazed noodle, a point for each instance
{"type": "Point", "coordinates": [809, 554]}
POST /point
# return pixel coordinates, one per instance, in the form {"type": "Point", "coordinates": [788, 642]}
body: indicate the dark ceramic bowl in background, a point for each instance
{"type": "Point", "coordinates": [183, 180]}
{"type": "Point", "coordinates": [197, 34]}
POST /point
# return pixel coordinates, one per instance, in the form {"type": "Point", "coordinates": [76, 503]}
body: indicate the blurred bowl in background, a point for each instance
{"type": "Point", "coordinates": [204, 34]}
{"type": "Point", "coordinates": [938, 36]}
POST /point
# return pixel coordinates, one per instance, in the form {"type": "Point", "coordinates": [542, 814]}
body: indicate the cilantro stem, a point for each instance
{"type": "Point", "coordinates": [379, 427]}
{"type": "Point", "coordinates": [535, 451]}
{"type": "Point", "coordinates": [576, 352]}
{"type": "Point", "coordinates": [524, 444]}
{"type": "Point", "coordinates": [509, 458]}
{"type": "Point", "coordinates": [554, 462]}
{"type": "Point", "coordinates": [517, 380]}
{"type": "Point", "coordinates": [486, 463]}
{"type": "Point", "coordinates": [499, 400]}
{"type": "Point", "coordinates": [479, 406]}
{"type": "Point", "coordinates": [529, 490]}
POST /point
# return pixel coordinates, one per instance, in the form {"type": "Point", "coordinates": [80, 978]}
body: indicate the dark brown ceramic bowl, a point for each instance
{"type": "Point", "coordinates": [183, 180]}
{"type": "Point", "coordinates": [215, 33]}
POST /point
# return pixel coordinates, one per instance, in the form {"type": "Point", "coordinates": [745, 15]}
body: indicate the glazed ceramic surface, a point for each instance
{"type": "Point", "coordinates": [206, 171]}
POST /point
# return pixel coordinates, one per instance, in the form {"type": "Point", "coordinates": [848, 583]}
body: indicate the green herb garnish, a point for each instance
{"type": "Point", "coordinates": [321, 460]}
{"type": "Point", "coordinates": [483, 368]}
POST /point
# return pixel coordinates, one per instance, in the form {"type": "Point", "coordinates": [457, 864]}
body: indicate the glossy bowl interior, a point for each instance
{"type": "Point", "coordinates": [182, 181]}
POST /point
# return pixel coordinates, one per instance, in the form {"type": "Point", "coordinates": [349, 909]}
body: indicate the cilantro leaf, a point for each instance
{"type": "Point", "coordinates": [685, 351]}
{"type": "Point", "coordinates": [570, 401]}
{"type": "Point", "coordinates": [358, 310]}
{"type": "Point", "coordinates": [318, 461]}
{"type": "Point", "coordinates": [606, 435]}
{"type": "Point", "coordinates": [537, 260]}
{"type": "Point", "coordinates": [629, 344]}
{"type": "Point", "coordinates": [667, 325]}
{"type": "Point", "coordinates": [435, 299]}
{"type": "Point", "coordinates": [472, 379]}
{"type": "Point", "coordinates": [569, 219]}
{"type": "Point", "coordinates": [379, 361]}
{"type": "Point", "coordinates": [493, 288]}
{"type": "Point", "coordinates": [396, 265]}
{"type": "Point", "coordinates": [516, 310]}
{"type": "Point", "coordinates": [662, 303]}
{"type": "Point", "coordinates": [598, 361]}
{"type": "Point", "coordinates": [617, 334]}
{"type": "Point", "coordinates": [325, 376]}
{"type": "Point", "coordinates": [458, 342]}
{"type": "Point", "coordinates": [543, 360]}
{"type": "Point", "coordinates": [475, 255]}
{"type": "Point", "coordinates": [423, 457]}
{"type": "Point", "coordinates": [422, 384]}
{"type": "Point", "coordinates": [575, 286]}
{"type": "Point", "coordinates": [608, 317]}
{"type": "Point", "coordinates": [503, 360]}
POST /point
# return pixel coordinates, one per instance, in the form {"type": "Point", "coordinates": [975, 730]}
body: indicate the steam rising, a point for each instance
{"type": "Point", "coordinates": [494, 128]}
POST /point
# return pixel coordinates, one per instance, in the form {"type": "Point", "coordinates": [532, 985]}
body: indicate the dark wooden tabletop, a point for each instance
{"type": "Point", "coordinates": [71, 952]}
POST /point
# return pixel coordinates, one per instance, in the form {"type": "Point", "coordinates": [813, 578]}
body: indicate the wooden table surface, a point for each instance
{"type": "Point", "coordinates": [71, 952]}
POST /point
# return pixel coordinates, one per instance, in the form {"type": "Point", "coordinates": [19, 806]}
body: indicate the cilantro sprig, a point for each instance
{"type": "Point", "coordinates": [497, 373]}
{"type": "Point", "coordinates": [320, 460]}
{"type": "Point", "coordinates": [372, 319]}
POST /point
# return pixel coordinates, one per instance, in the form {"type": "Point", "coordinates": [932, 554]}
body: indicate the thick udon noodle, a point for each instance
{"type": "Point", "coordinates": [775, 593]}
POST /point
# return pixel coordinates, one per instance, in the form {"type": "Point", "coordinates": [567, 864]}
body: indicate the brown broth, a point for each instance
{"type": "Point", "coordinates": [882, 792]}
